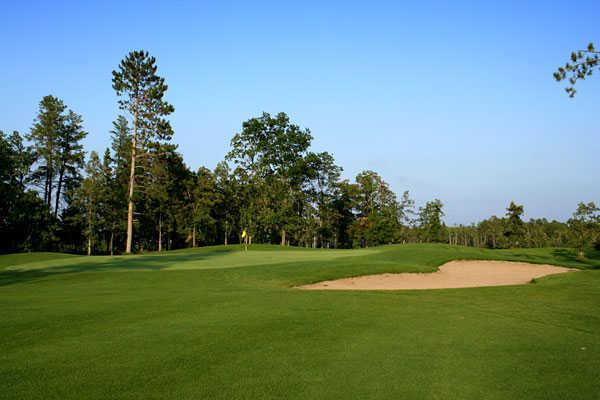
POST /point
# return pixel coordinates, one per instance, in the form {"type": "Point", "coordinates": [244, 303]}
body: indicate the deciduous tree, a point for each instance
{"type": "Point", "coordinates": [585, 225]}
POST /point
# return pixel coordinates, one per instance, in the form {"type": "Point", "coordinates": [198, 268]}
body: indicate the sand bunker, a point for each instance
{"type": "Point", "coordinates": [454, 274]}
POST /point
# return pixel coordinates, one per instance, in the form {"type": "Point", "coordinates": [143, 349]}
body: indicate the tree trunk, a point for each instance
{"type": "Point", "coordinates": [226, 233]}
{"type": "Point", "coordinates": [194, 236]}
{"type": "Point", "coordinates": [50, 184]}
{"type": "Point", "coordinates": [112, 235]}
{"type": "Point", "coordinates": [159, 233]}
{"type": "Point", "coordinates": [90, 231]}
{"type": "Point", "coordinates": [130, 196]}
{"type": "Point", "coordinates": [46, 189]}
{"type": "Point", "coordinates": [58, 189]}
{"type": "Point", "coordinates": [50, 177]}
{"type": "Point", "coordinates": [283, 236]}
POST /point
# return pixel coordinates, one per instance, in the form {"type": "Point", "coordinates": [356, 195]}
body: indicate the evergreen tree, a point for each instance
{"type": "Point", "coordinates": [202, 196]}
{"type": "Point", "coordinates": [515, 228]}
{"type": "Point", "coordinates": [582, 64]}
{"type": "Point", "coordinates": [88, 198]}
{"type": "Point", "coordinates": [141, 93]}
{"type": "Point", "coordinates": [24, 217]}
{"type": "Point", "coordinates": [45, 132]}
{"type": "Point", "coordinates": [70, 158]}
{"type": "Point", "coordinates": [120, 160]}
{"type": "Point", "coordinates": [111, 204]}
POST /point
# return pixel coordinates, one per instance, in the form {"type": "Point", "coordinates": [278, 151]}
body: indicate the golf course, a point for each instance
{"type": "Point", "coordinates": [222, 323]}
{"type": "Point", "coordinates": [299, 200]}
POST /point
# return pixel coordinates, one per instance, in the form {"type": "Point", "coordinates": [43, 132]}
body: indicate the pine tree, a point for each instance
{"type": "Point", "coordinates": [45, 132]}
{"type": "Point", "coordinates": [141, 93]}
{"type": "Point", "coordinates": [88, 198]}
{"type": "Point", "coordinates": [515, 229]}
{"type": "Point", "coordinates": [582, 64]}
{"type": "Point", "coordinates": [203, 195]}
{"type": "Point", "coordinates": [70, 157]}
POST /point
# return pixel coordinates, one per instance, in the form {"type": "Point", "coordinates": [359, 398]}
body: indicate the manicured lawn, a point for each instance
{"type": "Point", "coordinates": [220, 323]}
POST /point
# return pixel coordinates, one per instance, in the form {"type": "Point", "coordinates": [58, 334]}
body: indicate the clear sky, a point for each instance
{"type": "Point", "coordinates": [453, 100]}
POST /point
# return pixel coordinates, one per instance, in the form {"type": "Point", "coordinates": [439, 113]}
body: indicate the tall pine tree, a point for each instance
{"type": "Point", "coordinates": [141, 93]}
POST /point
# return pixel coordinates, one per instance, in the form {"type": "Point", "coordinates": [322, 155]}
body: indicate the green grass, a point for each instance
{"type": "Point", "coordinates": [20, 259]}
{"type": "Point", "coordinates": [220, 323]}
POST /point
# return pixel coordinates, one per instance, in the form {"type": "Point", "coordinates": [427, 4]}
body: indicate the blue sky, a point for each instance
{"type": "Point", "coordinates": [450, 100]}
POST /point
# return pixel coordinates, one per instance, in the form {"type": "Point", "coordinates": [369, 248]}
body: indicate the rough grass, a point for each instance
{"type": "Point", "coordinates": [221, 323]}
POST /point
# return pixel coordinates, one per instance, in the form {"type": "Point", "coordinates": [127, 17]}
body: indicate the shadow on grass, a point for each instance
{"type": "Point", "coordinates": [148, 262]}
{"type": "Point", "coordinates": [592, 260]}
{"type": "Point", "coordinates": [562, 256]}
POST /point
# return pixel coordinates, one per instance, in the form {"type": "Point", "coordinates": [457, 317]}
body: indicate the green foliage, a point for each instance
{"type": "Point", "coordinates": [514, 228]}
{"type": "Point", "coordinates": [431, 227]}
{"type": "Point", "coordinates": [71, 156]}
{"type": "Point", "coordinates": [25, 221]}
{"type": "Point", "coordinates": [271, 184]}
{"type": "Point", "coordinates": [44, 136]}
{"type": "Point", "coordinates": [141, 92]}
{"type": "Point", "coordinates": [272, 152]}
{"type": "Point", "coordinates": [227, 208]}
{"type": "Point", "coordinates": [377, 211]}
{"type": "Point", "coordinates": [91, 199]}
{"type": "Point", "coordinates": [585, 225]}
{"type": "Point", "coordinates": [582, 64]}
{"type": "Point", "coordinates": [56, 136]}
{"type": "Point", "coordinates": [203, 194]}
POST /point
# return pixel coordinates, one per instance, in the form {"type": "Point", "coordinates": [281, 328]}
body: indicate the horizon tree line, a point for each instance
{"type": "Point", "coordinates": [140, 195]}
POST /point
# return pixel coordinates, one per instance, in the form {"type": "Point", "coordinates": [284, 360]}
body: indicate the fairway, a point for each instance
{"type": "Point", "coordinates": [222, 323]}
{"type": "Point", "coordinates": [299, 201]}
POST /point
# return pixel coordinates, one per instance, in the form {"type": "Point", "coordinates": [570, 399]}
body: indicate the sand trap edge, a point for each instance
{"type": "Point", "coordinates": [451, 275]}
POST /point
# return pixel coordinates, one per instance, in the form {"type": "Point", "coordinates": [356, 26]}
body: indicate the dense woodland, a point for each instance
{"type": "Point", "coordinates": [139, 195]}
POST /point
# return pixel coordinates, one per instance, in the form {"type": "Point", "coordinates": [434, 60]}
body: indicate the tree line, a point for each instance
{"type": "Point", "coordinates": [139, 195]}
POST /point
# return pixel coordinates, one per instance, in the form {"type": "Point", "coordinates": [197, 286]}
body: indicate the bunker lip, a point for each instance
{"type": "Point", "coordinates": [453, 274]}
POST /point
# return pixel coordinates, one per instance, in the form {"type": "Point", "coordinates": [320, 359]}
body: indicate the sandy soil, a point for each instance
{"type": "Point", "coordinates": [454, 274]}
